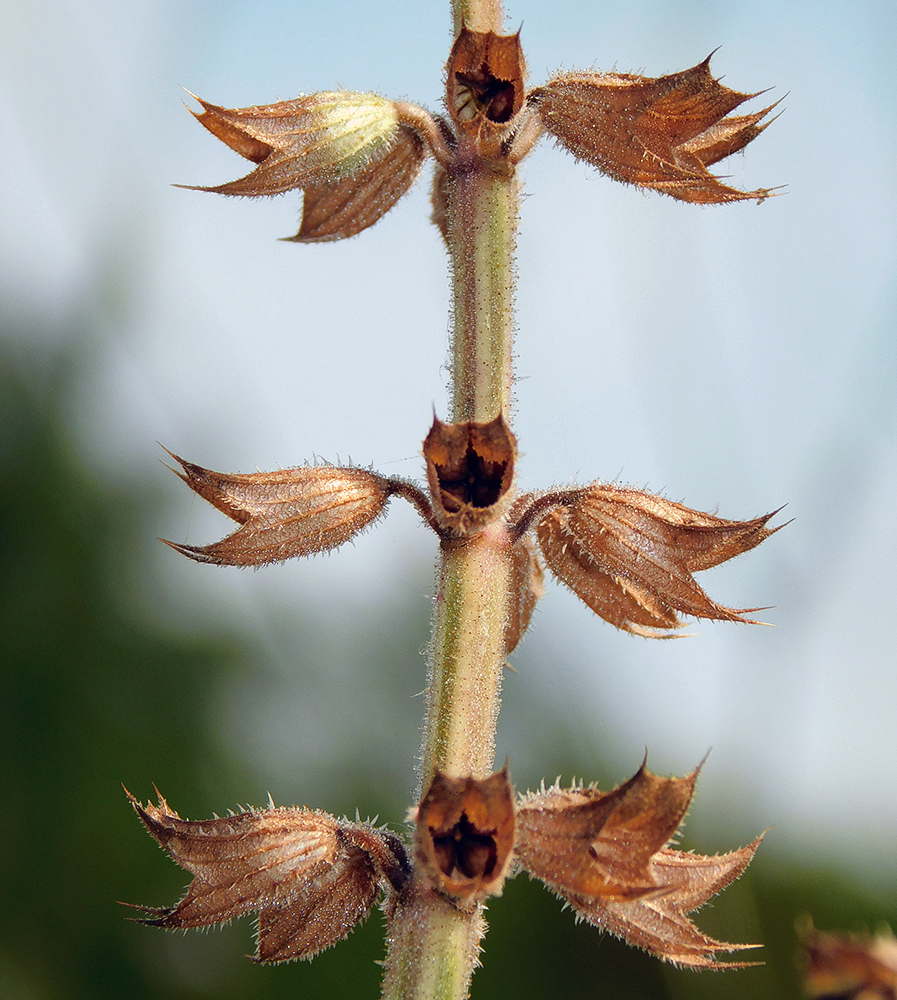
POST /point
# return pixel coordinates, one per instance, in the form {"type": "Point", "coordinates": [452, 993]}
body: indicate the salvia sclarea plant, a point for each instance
{"type": "Point", "coordinates": [629, 555]}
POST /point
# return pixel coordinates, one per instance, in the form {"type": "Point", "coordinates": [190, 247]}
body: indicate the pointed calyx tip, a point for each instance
{"type": "Point", "coordinates": [631, 555]}
{"type": "Point", "coordinates": [660, 133]}
{"type": "Point", "coordinates": [355, 154]}
{"type": "Point", "coordinates": [470, 471]}
{"type": "Point", "coordinates": [484, 79]}
{"type": "Point", "coordinates": [464, 836]}
{"type": "Point", "coordinates": [292, 512]}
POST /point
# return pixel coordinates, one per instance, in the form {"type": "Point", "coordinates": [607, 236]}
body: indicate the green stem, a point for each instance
{"type": "Point", "coordinates": [482, 233]}
{"type": "Point", "coordinates": [478, 15]}
{"type": "Point", "coordinates": [433, 946]}
{"type": "Point", "coordinates": [467, 657]}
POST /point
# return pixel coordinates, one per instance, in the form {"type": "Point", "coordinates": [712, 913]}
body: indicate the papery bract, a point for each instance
{"type": "Point", "coordinates": [310, 877]}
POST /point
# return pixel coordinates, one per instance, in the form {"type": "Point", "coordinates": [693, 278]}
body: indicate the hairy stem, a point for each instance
{"type": "Point", "coordinates": [467, 657]}
{"type": "Point", "coordinates": [478, 15]}
{"type": "Point", "coordinates": [482, 227]}
{"type": "Point", "coordinates": [433, 945]}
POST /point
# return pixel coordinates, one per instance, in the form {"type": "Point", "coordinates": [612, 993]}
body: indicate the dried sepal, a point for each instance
{"type": "Point", "coordinates": [336, 210]}
{"type": "Point", "coordinates": [464, 836]}
{"type": "Point", "coordinates": [310, 877]}
{"type": "Point", "coordinates": [524, 591]}
{"type": "Point", "coordinates": [440, 192]}
{"type": "Point", "coordinates": [630, 555]}
{"type": "Point", "coordinates": [601, 843]}
{"type": "Point", "coordinates": [841, 966]}
{"type": "Point", "coordinates": [484, 78]}
{"type": "Point", "coordinates": [351, 153]}
{"type": "Point", "coordinates": [658, 921]}
{"type": "Point", "coordinates": [292, 512]}
{"type": "Point", "coordinates": [312, 139]}
{"type": "Point", "coordinates": [604, 853]}
{"type": "Point", "coordinates": [470, 471]}
{"type": "Point", "coordinates": [659, 133]}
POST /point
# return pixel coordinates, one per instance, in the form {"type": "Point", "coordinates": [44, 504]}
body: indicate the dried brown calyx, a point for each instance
{"type": "Point", "coordinates": [355, 154]}
{"type": "Point", "coordinates": [484, 87]}
{"type": "Point", "coordinates": [605, 854]}
{"type": "Point", "coordinates": [660, 133]}
{"type": "Point", "coordinates": [631, 555]}
{"type": "Point", "coordinates": [293, 512]}
{"type": "Point", "coordinates": [310, 877]}
{"type": "Point", "coordinates": [841, 966]}
{"type": "Point", "coordinates": [485, 77]}
{"type": "Point", "coordinates": [526, 587]}
{"type": "Point", "coordinates": [464, 836]}
{"type": "Point", "coordinates": [470, 469]}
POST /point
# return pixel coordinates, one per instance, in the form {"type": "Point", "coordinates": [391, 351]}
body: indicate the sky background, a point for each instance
{"type": "Point", "coordinates": [736, 358]}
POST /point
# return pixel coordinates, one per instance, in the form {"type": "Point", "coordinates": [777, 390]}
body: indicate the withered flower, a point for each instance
{"type": "Point", "coordinates": [630, 555]}
{"type": "Point", "coordinates": [464, 836]}
{"type": "Point", "coordinates": [310, 877]}
{"type": "Point", "coordinates": [604, 853]}
{"type": "Point", "coordinates": [840, 966]}
{"type": "Point", "coordinates": [293, 512]}
{"type": "Point", "coordinates": [355, 154]}
{"type": "Point", "coordinates": [655, 133]}
{"type": "Point", "coordinates": [470, 469]}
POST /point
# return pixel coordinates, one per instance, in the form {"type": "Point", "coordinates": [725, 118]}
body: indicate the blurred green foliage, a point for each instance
{"type": "Point", "coordinates": [92, 694]}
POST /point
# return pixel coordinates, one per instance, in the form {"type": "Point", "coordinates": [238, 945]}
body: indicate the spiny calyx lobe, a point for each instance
{"type": "Point", "coordinates": [660, 133]}
{"type": "Point", "coordinates": [310, 877]}
{"type": "Point", "coordinates": [631, 555]}
{"type": "Point", "coordinates": [464, 836]}
{"type": "Point", "coordinates": [291, 512]}
{"type": "Point", "coordinates": [470, 470]}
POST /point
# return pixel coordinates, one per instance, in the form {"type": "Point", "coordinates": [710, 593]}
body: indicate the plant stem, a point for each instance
{"type": "Point", "coordinates": [478, 15]}
{"type": "Point", "coordinates": [482, 229]}
{"type": "Point", "coordinates": [432, 945]}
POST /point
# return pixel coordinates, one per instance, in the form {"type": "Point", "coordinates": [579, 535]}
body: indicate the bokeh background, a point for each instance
{"type": "Point", "coordinates": [737, 358]}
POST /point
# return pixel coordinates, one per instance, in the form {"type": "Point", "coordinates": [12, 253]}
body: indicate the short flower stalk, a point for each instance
{"type": "Point", "coordinates": [629, 555]}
